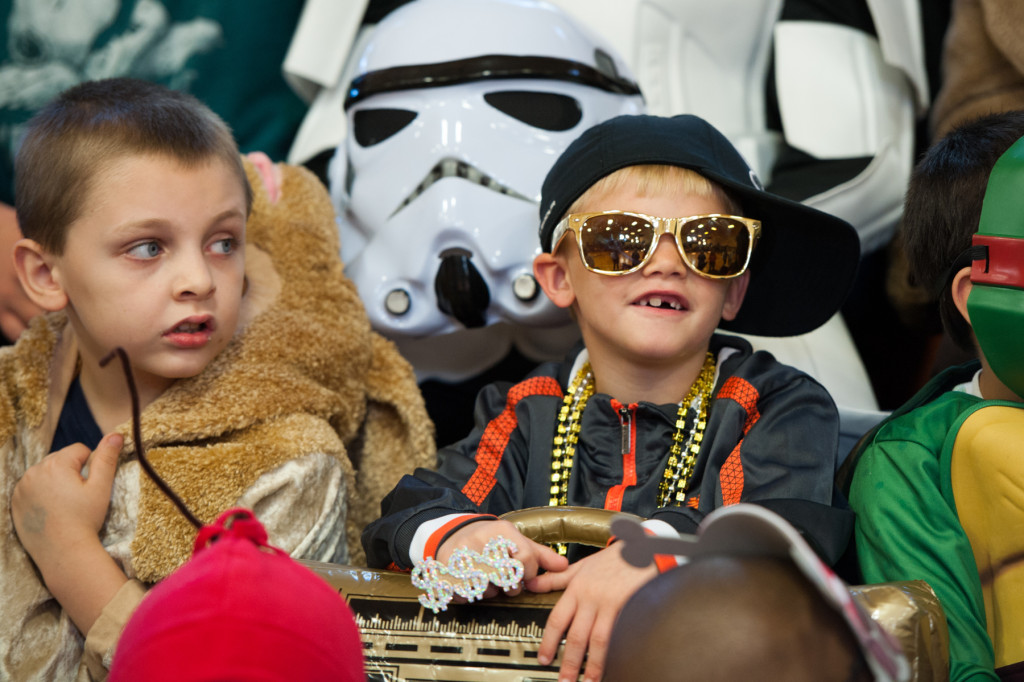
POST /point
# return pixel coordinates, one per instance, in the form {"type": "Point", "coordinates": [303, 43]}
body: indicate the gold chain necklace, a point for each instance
{"type": "Point", "coordinates": [567, 433]}
{"type": "Point", "coordinates": [682, 453]}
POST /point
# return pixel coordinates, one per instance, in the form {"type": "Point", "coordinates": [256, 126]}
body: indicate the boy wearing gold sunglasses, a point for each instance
{"type": "Point", "coordinates": [655, 233]}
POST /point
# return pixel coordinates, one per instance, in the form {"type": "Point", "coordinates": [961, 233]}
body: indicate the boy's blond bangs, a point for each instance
{"type": "Point", "coordinates": [655, 179]}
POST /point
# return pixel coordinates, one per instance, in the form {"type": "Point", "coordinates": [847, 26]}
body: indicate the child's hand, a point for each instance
{"type": "Point", "coordinates": [53, 505]}
{"type": "Point", "coordinates": [596, 589]}
{"type": "Point", "coordinates": [58, 515]}
{"type": "Point", "coordinates": [534, 555]}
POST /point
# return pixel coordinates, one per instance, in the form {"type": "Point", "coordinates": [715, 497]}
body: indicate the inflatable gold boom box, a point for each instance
{"type": "Point", "coordinates": [496, 640]}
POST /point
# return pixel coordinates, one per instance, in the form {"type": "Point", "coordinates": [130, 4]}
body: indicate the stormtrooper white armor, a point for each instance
{"type": "Point", "coordinates": [842, 93]}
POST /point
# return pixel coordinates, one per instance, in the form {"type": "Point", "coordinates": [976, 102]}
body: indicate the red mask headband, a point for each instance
{"type": "Point", "coordinates": [1000, 263]}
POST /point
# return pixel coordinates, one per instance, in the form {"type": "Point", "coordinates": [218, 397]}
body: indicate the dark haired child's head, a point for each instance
{"type": "Point", "coordinates": [733, 618]}
{"type": "Point", "coordinates": [753, 600]}
{"type": "Point", "coordinates": [133, 201]}
{"type": "Point", "coordinates": [943, 208]}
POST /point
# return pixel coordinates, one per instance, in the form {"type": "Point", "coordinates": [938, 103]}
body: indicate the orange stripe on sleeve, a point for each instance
{"type": "Point", "coordinates": [495, 437]}
{"type": "Point", "coordinates": [664, 562]}
{"type": "Point", "coordinates": [430, 549]}
{"type": "Point", "coordinates": [731, 475]}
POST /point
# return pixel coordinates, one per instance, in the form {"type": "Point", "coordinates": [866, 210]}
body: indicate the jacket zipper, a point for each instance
{"type": "Point", "coordinates": [627, 418]}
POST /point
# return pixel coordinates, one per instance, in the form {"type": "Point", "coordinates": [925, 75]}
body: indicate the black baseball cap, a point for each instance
{"type": "Point", "coordinates": [806, 259]}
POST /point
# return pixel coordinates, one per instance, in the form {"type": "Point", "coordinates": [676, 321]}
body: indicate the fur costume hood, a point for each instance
{"type": "Point", "coordinates": [304, 377]}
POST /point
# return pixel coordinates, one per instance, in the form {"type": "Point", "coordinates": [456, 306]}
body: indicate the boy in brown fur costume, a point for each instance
{"type": "Point", "coordinates": [261, 382]}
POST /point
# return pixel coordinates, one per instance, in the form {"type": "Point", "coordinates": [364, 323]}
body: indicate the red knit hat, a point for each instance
{"type": "Point", "coordinates": [240, 610]}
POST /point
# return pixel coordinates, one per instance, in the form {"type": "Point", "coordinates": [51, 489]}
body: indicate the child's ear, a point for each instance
{"type": "Point", "coordinates": [34, 266]}
{"type": "Point", "coordinates": [960, 290]}
{"type": "Point", "coordinates": [734, 296]}
{"type": "Point", "coordinates": [551, 273]}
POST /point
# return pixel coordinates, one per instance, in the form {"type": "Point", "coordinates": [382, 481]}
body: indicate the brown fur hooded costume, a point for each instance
{"type": "Point", "coordinates": [307, 417]}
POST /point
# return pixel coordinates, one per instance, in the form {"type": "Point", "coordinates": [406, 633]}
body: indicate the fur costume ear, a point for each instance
{"type": "Point", "coordinates": [34, 266]}
{"type": "Point", "coordinates": [552, 274]}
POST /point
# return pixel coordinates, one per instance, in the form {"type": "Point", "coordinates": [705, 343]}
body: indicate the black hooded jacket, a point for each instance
{"type": "Point", "coordinates": [771, 439]}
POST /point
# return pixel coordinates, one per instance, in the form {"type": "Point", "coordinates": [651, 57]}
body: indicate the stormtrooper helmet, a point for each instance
{"type": "Point", "coordinates": [457, 111]}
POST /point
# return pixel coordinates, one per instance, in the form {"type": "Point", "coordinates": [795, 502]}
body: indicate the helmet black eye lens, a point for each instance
{"type": "Point", "coordinates": [544, 110]}
{"type": "Point", "coordinates": [372, 126]}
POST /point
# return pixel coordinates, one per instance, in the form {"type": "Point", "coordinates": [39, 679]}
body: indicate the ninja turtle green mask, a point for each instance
{"type": "Point", "coordinates": [996, 302]}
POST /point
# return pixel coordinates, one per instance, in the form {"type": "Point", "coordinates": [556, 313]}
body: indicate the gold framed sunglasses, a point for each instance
{"type": "Point", "coordinates": [620, 242]}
